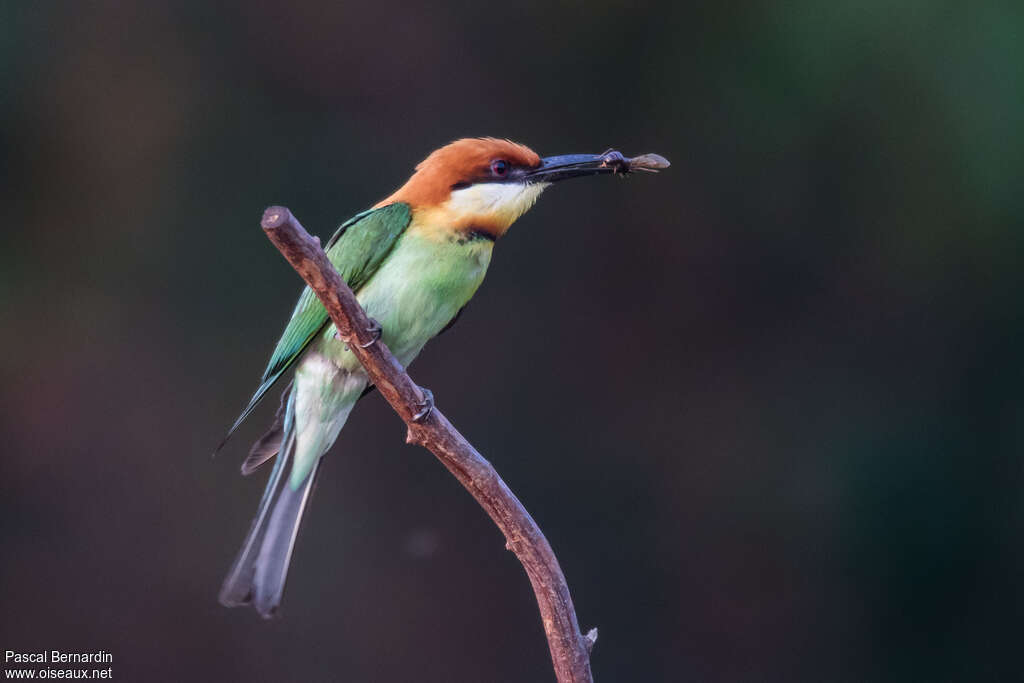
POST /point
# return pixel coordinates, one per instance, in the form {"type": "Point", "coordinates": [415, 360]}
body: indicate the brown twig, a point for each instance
{"type": "Point", "coordinates": [570, 650]}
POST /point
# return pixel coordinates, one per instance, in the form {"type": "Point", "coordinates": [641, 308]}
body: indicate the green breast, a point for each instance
{"type": "Point", "coordinates": [417, 291]}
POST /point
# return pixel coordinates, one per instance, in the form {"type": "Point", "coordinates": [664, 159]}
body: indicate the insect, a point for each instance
{"type": "Point", "coordinates": [621, 165]}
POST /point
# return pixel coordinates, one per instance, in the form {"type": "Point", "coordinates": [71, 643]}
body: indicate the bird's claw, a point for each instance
{"type": "Point", "coordinates": [374, 329]}
{"type": "Point", "coordinates": [425, 407]}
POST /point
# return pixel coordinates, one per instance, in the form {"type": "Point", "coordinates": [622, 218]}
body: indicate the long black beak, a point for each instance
{"type": "Point", "coordinates": [553, 169]}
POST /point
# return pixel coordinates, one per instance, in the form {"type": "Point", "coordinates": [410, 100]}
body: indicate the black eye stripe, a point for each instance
{"type": "Point", "coordinates": [499, 170]}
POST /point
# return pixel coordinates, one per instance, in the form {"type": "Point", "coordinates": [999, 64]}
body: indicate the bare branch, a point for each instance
{"type": "Point", "coordinates": [570, 650]}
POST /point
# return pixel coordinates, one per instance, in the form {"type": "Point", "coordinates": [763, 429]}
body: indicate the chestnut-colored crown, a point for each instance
{"type": "Point", "coordinates": [457, 164]}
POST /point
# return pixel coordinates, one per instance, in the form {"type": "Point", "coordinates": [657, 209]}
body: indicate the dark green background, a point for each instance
{"type": "Point", "coordinates": [765, 405]}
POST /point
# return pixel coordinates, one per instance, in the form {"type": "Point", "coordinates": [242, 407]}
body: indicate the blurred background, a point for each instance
{"type": "Point", "coordinates": [765, 405]}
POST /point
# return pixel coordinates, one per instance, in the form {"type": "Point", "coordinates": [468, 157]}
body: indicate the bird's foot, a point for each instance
{"type": "Point", "coordinates": [424, 409]}
{"type": "Point", "coordinates": [374, 329]}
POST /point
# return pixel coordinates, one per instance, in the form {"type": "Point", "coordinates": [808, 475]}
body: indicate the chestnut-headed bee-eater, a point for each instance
{"type": "Point", "coordinates": [414, 260]}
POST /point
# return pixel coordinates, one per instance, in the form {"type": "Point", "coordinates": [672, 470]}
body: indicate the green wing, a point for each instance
{"type": "Point", "coordinates": [358, 247]}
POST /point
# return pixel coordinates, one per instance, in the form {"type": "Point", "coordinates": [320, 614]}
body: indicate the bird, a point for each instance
{"type": "Point", "coordinates": [414, 260]}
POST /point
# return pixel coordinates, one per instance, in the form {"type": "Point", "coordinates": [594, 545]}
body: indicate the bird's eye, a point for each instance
{"type": "Point", "coordinates": [499, 167]}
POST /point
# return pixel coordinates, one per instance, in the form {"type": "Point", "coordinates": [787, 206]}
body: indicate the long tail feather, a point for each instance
{"type": "Point", "coordinates": [258, 574]}
{"type": "Point", "coordinates": [271, 568]}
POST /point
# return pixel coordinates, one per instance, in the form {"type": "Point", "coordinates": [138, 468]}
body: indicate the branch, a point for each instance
{"type": "Point", "coordinates": [570, 650]}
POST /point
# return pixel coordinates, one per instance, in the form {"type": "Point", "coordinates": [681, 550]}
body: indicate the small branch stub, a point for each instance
{"type": "Point", "coordinates": [591, 639]}
{"type": "Point", "coordinates": [570, 650]}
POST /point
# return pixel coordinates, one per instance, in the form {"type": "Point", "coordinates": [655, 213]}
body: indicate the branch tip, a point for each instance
{"type": "Point", "coordinates": [274, 217]}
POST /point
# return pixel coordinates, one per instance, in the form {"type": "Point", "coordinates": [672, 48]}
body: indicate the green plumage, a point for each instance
{"type": "Point", "coordinates": [413, 282]}
{"type": "Point", "coordinates": [356, 249]}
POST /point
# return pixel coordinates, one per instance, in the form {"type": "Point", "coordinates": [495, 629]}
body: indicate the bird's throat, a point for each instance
{"type": "Point", "coordinates": [480, 211]}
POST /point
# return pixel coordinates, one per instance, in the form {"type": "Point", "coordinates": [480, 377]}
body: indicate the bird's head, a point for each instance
{"type": "Point", "coordinates": [482, 185]}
